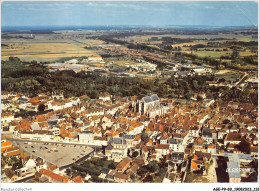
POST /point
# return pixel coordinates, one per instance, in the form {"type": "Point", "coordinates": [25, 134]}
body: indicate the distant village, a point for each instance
{"type": "Point", "coordinates": [100, 65]}
{"type": "Point", "coordinates": [56, 135]}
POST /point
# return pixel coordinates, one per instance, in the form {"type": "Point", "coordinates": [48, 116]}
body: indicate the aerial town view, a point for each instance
{"type": "Point", "coordinates": [129, 92]}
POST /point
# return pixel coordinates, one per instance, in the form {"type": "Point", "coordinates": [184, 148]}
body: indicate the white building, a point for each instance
{"type": "Point", "coordinates": [86, 137]}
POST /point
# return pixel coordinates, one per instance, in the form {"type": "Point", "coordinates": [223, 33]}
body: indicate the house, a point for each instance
{"type": "Point", "coordinates": [133, 169]}
{"type": "Point", "coordinates": [212, 149]}
{"type": "Point", "coordinates": [194, 132]}
{"type": "Point", "coordinates": [30, 164]}
{"type": "Point", "coordinates": [202, 118]}
{"type": "Point", "coordinates": [197, 165]}
{"type": "Point", "coordinates": [176, 162]}
{"type": "Point", "coordinates": [104, 96]}
{"type": "Point", "coordinates": [6, 145]}
{"type": "Point", "coordinates": [121, 178]}
{"type": "Point", "coordinates": [176, 145]}
{"type": "Point", "coordinates": [221, 134]}
{"type": "Point", "coordinates": [108, 150]}
{"type": "Point", "coordinates": [53, 168]}
{"type": "Point", "coordinates": [40, 164]}
{"type": "Point", "coordinates": [137, 140]}
{"type": "Point", "coordinates": [10, 176]}
{"type": "Point", "coordinates": [129, 140]}
{"type": "Point", "coordinates": [135, 128]}
{"type": "Point", "coordinates": [123, 165]}
{"type": "Point", "coordinates": [77, 179]}
{"type": "Point", "coordinates": [232, 148]}
{"type": "Point", "coordinates": [252, 126]}
{"type": "Point", "coordinates": [53, 177]}
{"type": "Point", "coordinates": [37, 135]}
{"type": "Point", "coordinates": [198, 144]}
{"type": "Point", "coordinates": [14, 150]}
{"type": "Point", "coordinates": [110, 175]}
{"type": "Point", "coordinates": [232, 138]}
{"type": "Point", "coordinates": [139, 161]}
{"type": "Point", "coordinates": [207, 135]}
{"type": "Point", "coordinates": [163, 140]}
{"type": "Point", "coordinates": [6, 117]}
{"type": "Point", "coordinates": [86, 137]}
{"type": "Point", "coordinates": [162, 149]}
{"type": "Point", "coordinates": [118, 151]}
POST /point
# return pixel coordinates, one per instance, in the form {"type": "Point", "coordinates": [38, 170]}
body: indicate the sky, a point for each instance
{"type": "Point", "coordinates": [85, 13]}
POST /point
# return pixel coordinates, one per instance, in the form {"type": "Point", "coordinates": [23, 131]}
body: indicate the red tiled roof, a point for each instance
{"type": "Point", "coordinates": [78, 179]}
{"type": "Point", "coordinates": [254, 149]}
{"type": "Point", "coordinates": [121, 176]}
{"type": "Point", "coordinates": [54, 176]}
{"type": "Point", "coordinates": [14, 153]}
{"type": "Point", "coordinates": [162, 146]}
{"type": "Point", "coordinates": [233, 137]}
{"type": "Point", "coordinates": [123, 164]}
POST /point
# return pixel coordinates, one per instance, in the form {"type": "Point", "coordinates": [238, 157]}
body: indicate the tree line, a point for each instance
{"type": "Point", "coordinates": [33, 79]}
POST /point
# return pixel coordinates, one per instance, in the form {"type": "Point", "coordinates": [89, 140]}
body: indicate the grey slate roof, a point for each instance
{"type": "Point", "coordinates": [109, 176]}
{"type": "Point", "coordinates": [154, 97]}
{"type": "Point", "coordinates": [109, 147]}
{"type": "Point", "coordinates": [119, 141]}
{"type": "Point", "coordinates": [147, 99]}
{"type": "Point", "coordinates": [172, 141]}
{"type": "Point", "coordinates": [87, 132]}
{"type": "Point", "coordinates": [52, 123]}
{"type": "Point", "coordinates": [129, 137]}
{"type": "Point", "coordinates": [177, 156]}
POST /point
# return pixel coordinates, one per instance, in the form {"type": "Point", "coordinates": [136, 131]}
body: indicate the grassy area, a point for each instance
{"type": "Point", "coordinates": [230, 76]}
{"type": "Point", "coordinates": [195, 178]}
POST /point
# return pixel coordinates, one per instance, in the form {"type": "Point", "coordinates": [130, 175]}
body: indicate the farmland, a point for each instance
{"type": "Point", "coordinates": [214, 43]}
{"type": "Point", "coordinates": [46, 48]}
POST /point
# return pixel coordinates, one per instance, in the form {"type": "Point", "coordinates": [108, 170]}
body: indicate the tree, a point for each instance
{"type": "Point", "coordinates": [144, 137]}
{"type": "Point", "coordinates": [68, 172]}
{"type": "Point", "coordinates": [132, 176]}
{"type": "Point", "coordinates": [41, 107]}
{"type": "Point", "coordinates": [235, 53]}
{"type": "Point", "coordinates": [244, 146]}
{"type": "Point", "coordinates": [153, 166]}
{"type": "Point", "coordinates": [135, 154]}
{"type": "Point", "coordinates": [17, 165]}
{"type": "Point", "coordinates": [112, 166]}
{"type": "Point", "coordinates": [142, 170]}
{"type": "Point", "coordinates": [148, 179]}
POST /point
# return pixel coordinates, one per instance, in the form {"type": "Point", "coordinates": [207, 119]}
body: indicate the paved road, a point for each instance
{"type": "Point", "coordinates": [242, 79]}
